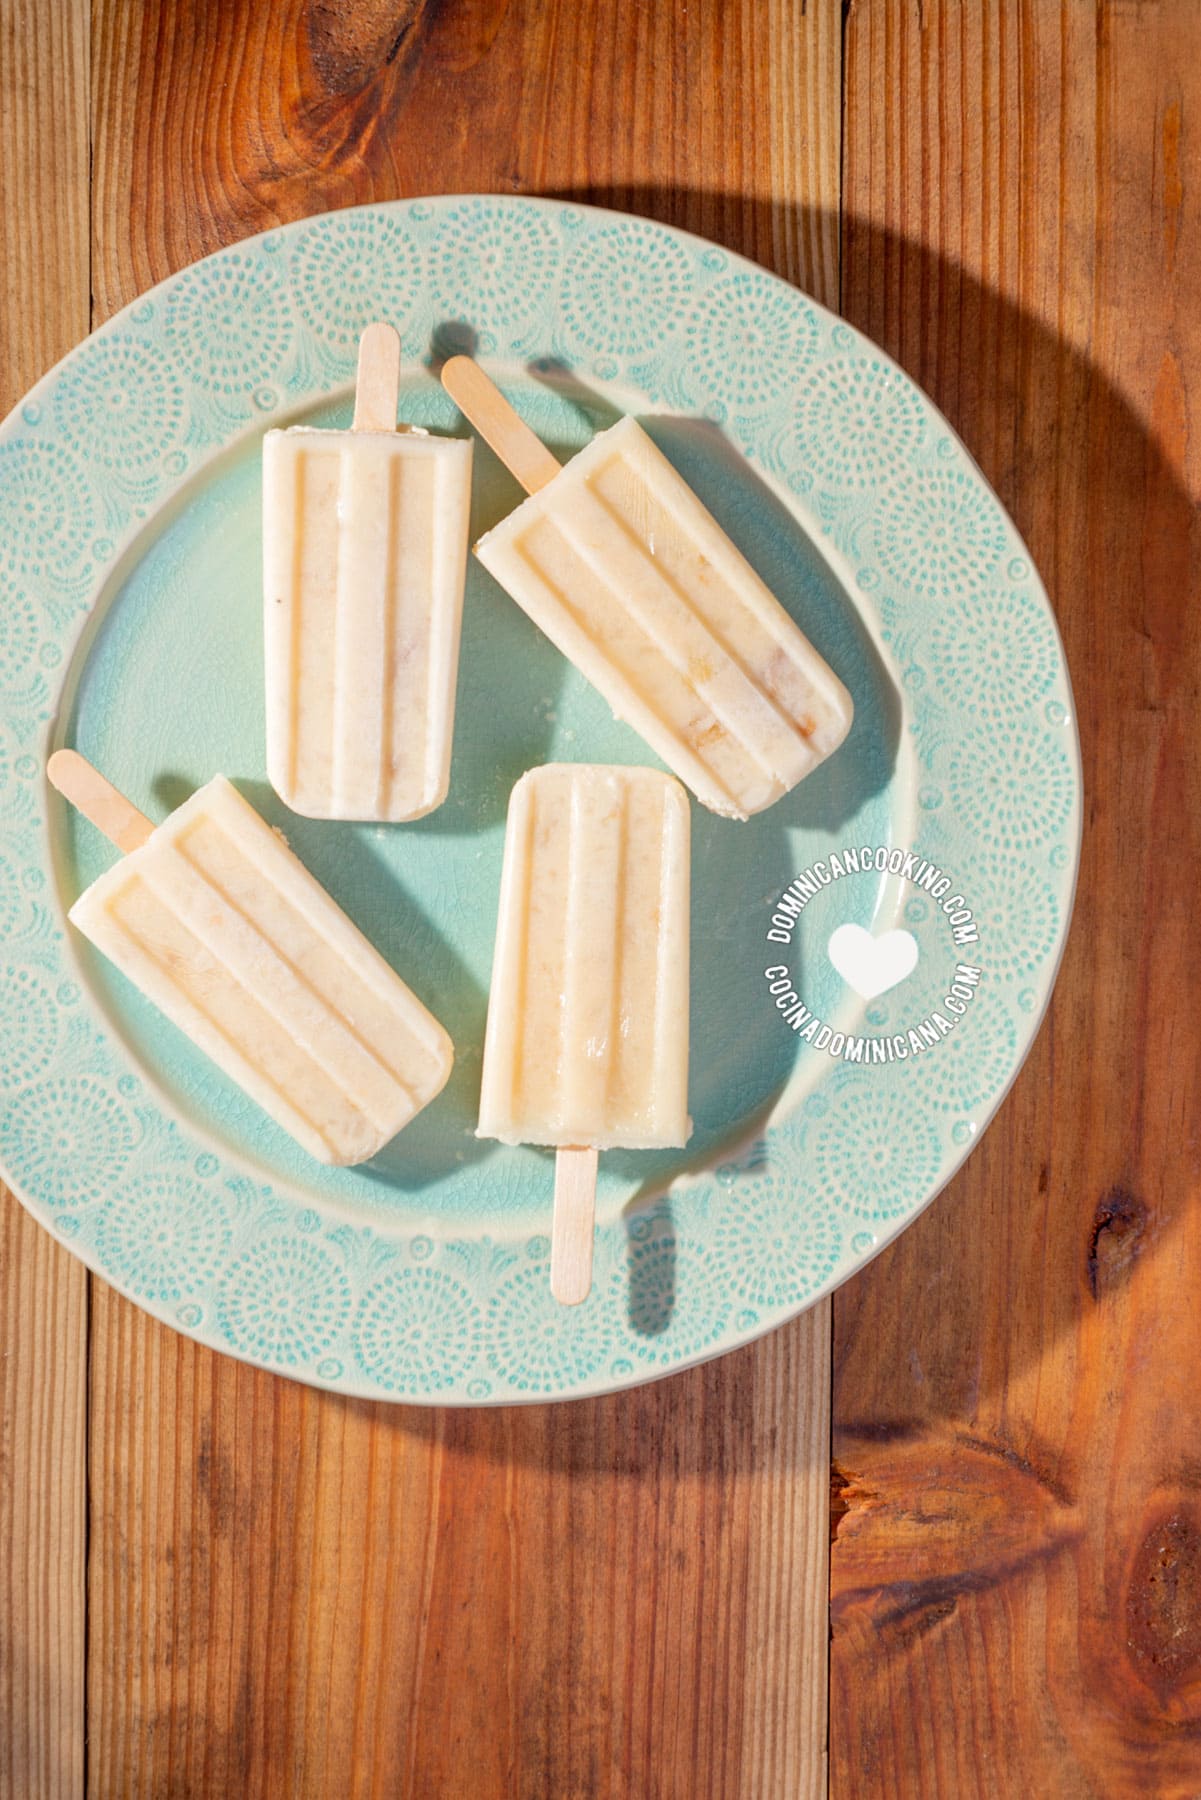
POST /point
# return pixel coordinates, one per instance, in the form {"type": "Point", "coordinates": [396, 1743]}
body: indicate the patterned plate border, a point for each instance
{"type": "Point", "coordinates": [904, 517]}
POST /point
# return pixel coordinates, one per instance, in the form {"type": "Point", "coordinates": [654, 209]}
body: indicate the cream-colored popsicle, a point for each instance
{"type": "Point", "coordinates": [587, 1034]}
{"type": "Point", "coordinates": [616, 559]}
{"type": "Point", "coordinates": [364, 555]}
{"type": "Point", "coordinates": [586, 1046]}
{"type": "Point", "coordinates": [215, 920]}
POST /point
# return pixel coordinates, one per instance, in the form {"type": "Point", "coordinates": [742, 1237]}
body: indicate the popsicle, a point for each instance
{"type": "Point", "coordinates": [586, 1045]}
{"type": "Point", "coordinates": [622, 567]}
{"type": "Point", "coordinates": [224, 929]}
{"type": "Point", "coordinates": [364, 556]}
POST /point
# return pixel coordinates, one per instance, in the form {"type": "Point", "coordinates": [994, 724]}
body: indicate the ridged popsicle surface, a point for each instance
{"type": "Point", "coordinates": [221, 926]}
{"type": "Point", "coordinates": [587, 1035]}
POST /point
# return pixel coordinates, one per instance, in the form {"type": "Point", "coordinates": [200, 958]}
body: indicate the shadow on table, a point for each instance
{"type": "Point", "coordinates": [1037, 1228]}
{"type": "Point", "coordinates": [935, 1325]}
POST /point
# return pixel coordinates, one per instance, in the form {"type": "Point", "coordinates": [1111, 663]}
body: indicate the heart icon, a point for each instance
{"type": "Point", "coordinates": [872, 965]}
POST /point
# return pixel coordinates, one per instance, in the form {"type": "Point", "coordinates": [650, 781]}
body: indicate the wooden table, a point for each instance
{"type": "Point", "coordinates": [213, 1582]}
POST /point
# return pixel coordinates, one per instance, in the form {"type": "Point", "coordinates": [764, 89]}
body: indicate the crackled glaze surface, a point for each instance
{"type": "Point", "coordinates": [425, 1278]}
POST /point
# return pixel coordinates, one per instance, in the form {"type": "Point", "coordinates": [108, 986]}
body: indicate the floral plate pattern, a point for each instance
{"type": "Point", "coordinates": [408, 1306]}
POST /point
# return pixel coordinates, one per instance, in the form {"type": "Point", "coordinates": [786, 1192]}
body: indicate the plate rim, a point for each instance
{"type": "Point", "coordinates": [353, 1381]}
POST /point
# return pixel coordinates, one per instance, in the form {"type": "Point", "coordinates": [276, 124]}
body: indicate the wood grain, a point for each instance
{"type": "Point", "coordinates": [607, 1598]}
{"type": "Point", "coordinates": [43, 1291]}
{"type": "Point", "coordinates": [292, 1594]}
{"type": "Point", "coordinates": [1016, 1571]}
{"type": "Point", "coordinates": [213, 122]}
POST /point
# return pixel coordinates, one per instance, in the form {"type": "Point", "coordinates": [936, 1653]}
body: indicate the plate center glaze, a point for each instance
{"type": "Point", "coordinates": [168, 689]}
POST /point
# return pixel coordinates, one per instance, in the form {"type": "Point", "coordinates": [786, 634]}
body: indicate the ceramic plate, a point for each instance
{"type": "Point", "coordinates": [830, 1103]}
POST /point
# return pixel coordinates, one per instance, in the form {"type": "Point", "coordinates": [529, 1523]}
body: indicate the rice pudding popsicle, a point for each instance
{"type": "Point", "coordinates": [616, 559]}
{"type": "Point", "coordinates": [364, 556]}
{"type": "Point", "coordinates": [224, 929]}
{"type": "Point", "coordinates": [586, 1046]}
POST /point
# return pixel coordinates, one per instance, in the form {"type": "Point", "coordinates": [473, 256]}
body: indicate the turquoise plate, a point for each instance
{"type": "Point", "coordinates": [130, 627]}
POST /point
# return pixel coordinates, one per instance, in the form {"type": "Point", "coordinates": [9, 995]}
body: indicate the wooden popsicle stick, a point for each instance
{"type": "Point", "coordinates": [377, 387]}
{"type": "Point", "coordinates": [482, 403]}
{"type": "Point", "coordinates": [573, 1226]}
{"type": "Point", "coordinates": [98, 800]}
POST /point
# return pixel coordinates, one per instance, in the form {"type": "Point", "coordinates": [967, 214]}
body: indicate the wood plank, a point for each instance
{"type": "Point", "coordinates": [1015, 1572]}
{"type": "Point", "coordinates": [559, 1601]}
{"type": "Point", "coordinates": [43, 1369]}
{"type": "Point", "coordinates": [295, 1594]}
{"type": "Point", "coordinates": [43, 1291]}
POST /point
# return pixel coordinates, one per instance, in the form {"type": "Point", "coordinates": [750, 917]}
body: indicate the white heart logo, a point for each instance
{"type": "Point", "coordinates": [872, 965]}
